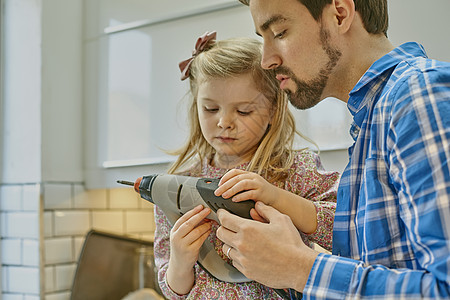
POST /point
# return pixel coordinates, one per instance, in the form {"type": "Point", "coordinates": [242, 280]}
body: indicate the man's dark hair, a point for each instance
{"type": "Point", "coordinates": [374, 13]}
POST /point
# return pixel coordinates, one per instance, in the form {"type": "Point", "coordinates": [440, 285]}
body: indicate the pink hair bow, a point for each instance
{"type": "Point", "coordinates": [199, 47]}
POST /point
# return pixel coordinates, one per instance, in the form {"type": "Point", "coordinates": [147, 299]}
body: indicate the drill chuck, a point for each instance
{"type": "Point", "coordinates": [143, 186]}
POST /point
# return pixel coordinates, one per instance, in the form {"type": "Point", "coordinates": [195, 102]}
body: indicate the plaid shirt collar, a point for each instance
{"type": "Point", "coordinates": [380, 70]}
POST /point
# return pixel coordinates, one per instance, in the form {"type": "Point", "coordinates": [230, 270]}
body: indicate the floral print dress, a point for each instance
{"type": "Point", "coordinates": [307, 179]}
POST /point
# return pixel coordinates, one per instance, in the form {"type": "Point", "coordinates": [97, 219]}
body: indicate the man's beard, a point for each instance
{"type": "Point", "coordinates": [308, 94]}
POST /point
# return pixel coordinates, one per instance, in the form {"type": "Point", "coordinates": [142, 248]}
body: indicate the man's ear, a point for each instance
{"type": "Point", "coordinates": [343, 14]}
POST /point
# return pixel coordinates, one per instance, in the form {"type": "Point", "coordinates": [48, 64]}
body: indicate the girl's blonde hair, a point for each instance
{"type": "Point", "coordinates": [228, 58]}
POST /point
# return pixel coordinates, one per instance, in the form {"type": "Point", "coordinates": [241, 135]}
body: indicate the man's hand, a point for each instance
{"type": "Point", "coordinates": [271, 253]}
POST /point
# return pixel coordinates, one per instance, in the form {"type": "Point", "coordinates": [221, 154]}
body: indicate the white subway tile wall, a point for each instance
{"type": "Point", "coordinates": [23, 280]}
{"type": "Point", "coordinates": [64, 275]}
{"type": "Point", "coordinates": [123, 198]}
{"type": "Point", "coordinates": [9, 192]}
{"type": "Point", "coordinates": [30, 193]}
{"type": "Point", "coordinates": [49, 273]}
{"type": "Point", "coordinates": [136, 221]}
{"type": "Point", "coordinates": [109, 220]}
{"type": "Point", "coordinates": [145, 204]}
{"type": "Point", "coordinates": [11, 251]}
{"type": "Point", "coordinates": [44, 227]}
{"type": "Point", "coordinates": [58, 250]}
{"type": "Point", "coordinates": [48, 223]}
{"type": "Point", "coordinates": [78, 245]}
{"type": "Point", "coordinates": [30, 253]}
{"type": "Point", "coordinates": [13, 297]}
{"type": "Point", "coordinates": [75, 222]}
{"type": "Point", "coordinates": [20, 223]}
{"type": "Point", "coordinates": [58, 296]}
{"type": "Point", "coordinates": [57, 196]}
{"type": "Point", "coordinates": [95, 199]}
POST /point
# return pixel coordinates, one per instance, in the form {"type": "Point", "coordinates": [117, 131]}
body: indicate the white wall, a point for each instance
{"type": "Point", "coordinates": [426, 22]}
{"type": "Point", "coordinates": [40, 132]}
{"type": "Point", "coordinates": [21, 109]}
{"type": "Point", "coordinates": [42, 92]}
{"type": "Point", "coordinates": [62, 90]}
{"type": "Point", "coordinates": [20, 140]}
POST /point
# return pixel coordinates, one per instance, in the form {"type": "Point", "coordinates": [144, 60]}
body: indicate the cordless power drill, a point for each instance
{"type": "Point", "coordinates": [175, 195]}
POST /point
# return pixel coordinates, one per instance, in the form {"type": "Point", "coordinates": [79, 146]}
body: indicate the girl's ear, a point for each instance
{"type": "Point", "coordinates": [343, 14]}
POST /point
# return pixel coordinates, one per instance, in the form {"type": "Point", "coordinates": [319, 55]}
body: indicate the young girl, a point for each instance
{"type": "Point", "coordinates": [239, 119]}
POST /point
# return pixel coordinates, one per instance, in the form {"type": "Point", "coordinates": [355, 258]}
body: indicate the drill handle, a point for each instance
{"type": "Point", "coordinates": [206, 188]}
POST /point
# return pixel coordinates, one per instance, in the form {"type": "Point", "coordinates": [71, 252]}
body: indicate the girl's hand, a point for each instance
{"type": "Point", "coordinates": [186, 237]}
{"type": "Point", "coordinates": [243, 185]}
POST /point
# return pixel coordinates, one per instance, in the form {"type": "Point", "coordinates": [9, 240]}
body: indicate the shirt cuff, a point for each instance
{"type": "Point", "coordinates": [330, 277]}
{"type": "Point", "coordinates": [170, 293]}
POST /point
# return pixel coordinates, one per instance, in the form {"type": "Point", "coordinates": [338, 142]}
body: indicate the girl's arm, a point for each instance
{"type": "Point", "coordinates": [176, 262]}
{"type": "Point", "coordinates": [321, 188]}
{"type": "Point", "coordinates": [243, 185]}
{"type": "Point", "coordinates": [161, 248]}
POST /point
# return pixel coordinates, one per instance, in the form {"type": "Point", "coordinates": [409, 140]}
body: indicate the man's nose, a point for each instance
{"type": "Point", "coordinates": [270, 58]}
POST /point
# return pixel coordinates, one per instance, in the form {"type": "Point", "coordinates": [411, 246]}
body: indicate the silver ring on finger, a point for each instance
{"type": "Point", "coordinates": [228, 252]}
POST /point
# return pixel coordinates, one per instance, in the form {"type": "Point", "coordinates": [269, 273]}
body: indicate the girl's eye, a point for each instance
{"type": "Point", "coordinates": [244, 113]}
{"type": "Point", "coordinates": [280, 35]}
{"type": "Point", "coordinates": [211, 110]}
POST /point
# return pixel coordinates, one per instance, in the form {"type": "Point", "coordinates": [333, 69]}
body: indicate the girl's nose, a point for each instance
{"type": "Point", "coordinates": [270, 58]}
{"type": "Point", "coordinates": [225, 122]}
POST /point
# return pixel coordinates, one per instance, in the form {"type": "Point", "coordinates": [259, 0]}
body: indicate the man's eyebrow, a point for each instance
{"type": "Point", "coordinates": [274, 19]}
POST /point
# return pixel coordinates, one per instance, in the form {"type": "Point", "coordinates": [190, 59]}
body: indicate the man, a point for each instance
{"type": "Point", "coordinates": [391, 236]}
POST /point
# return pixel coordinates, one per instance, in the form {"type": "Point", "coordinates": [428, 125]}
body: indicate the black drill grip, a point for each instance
{"type": "Point", "coordinates": [206, 188]}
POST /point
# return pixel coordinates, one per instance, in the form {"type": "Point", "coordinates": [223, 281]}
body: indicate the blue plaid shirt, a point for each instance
{"type": "Point", "coordinates": [391, 235]}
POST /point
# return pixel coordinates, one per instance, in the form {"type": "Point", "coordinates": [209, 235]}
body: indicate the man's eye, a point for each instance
{"type": "Point", "coordinates": [280, 35]}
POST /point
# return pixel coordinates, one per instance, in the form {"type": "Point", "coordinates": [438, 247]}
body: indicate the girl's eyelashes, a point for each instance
{"type": "Point", "coordinates": [244, 113]}
{"type": "Point", "coordinates": [211, 110]}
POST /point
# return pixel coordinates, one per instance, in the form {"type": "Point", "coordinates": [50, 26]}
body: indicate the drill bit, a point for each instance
{"type": "Point", "coordinates": [125, 182]}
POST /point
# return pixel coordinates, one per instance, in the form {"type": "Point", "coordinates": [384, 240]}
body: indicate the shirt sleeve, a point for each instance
{"type": "Point", "coordinates": [161, 248]}
{"type": "Point", "coordinates": [312, 182]}
{"type": "Point", "coordinates": [334, 277]}
{"type": "Point", "coordinates": [419, 143]}
{"type": "Point", "coordinates": [419, 154]}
